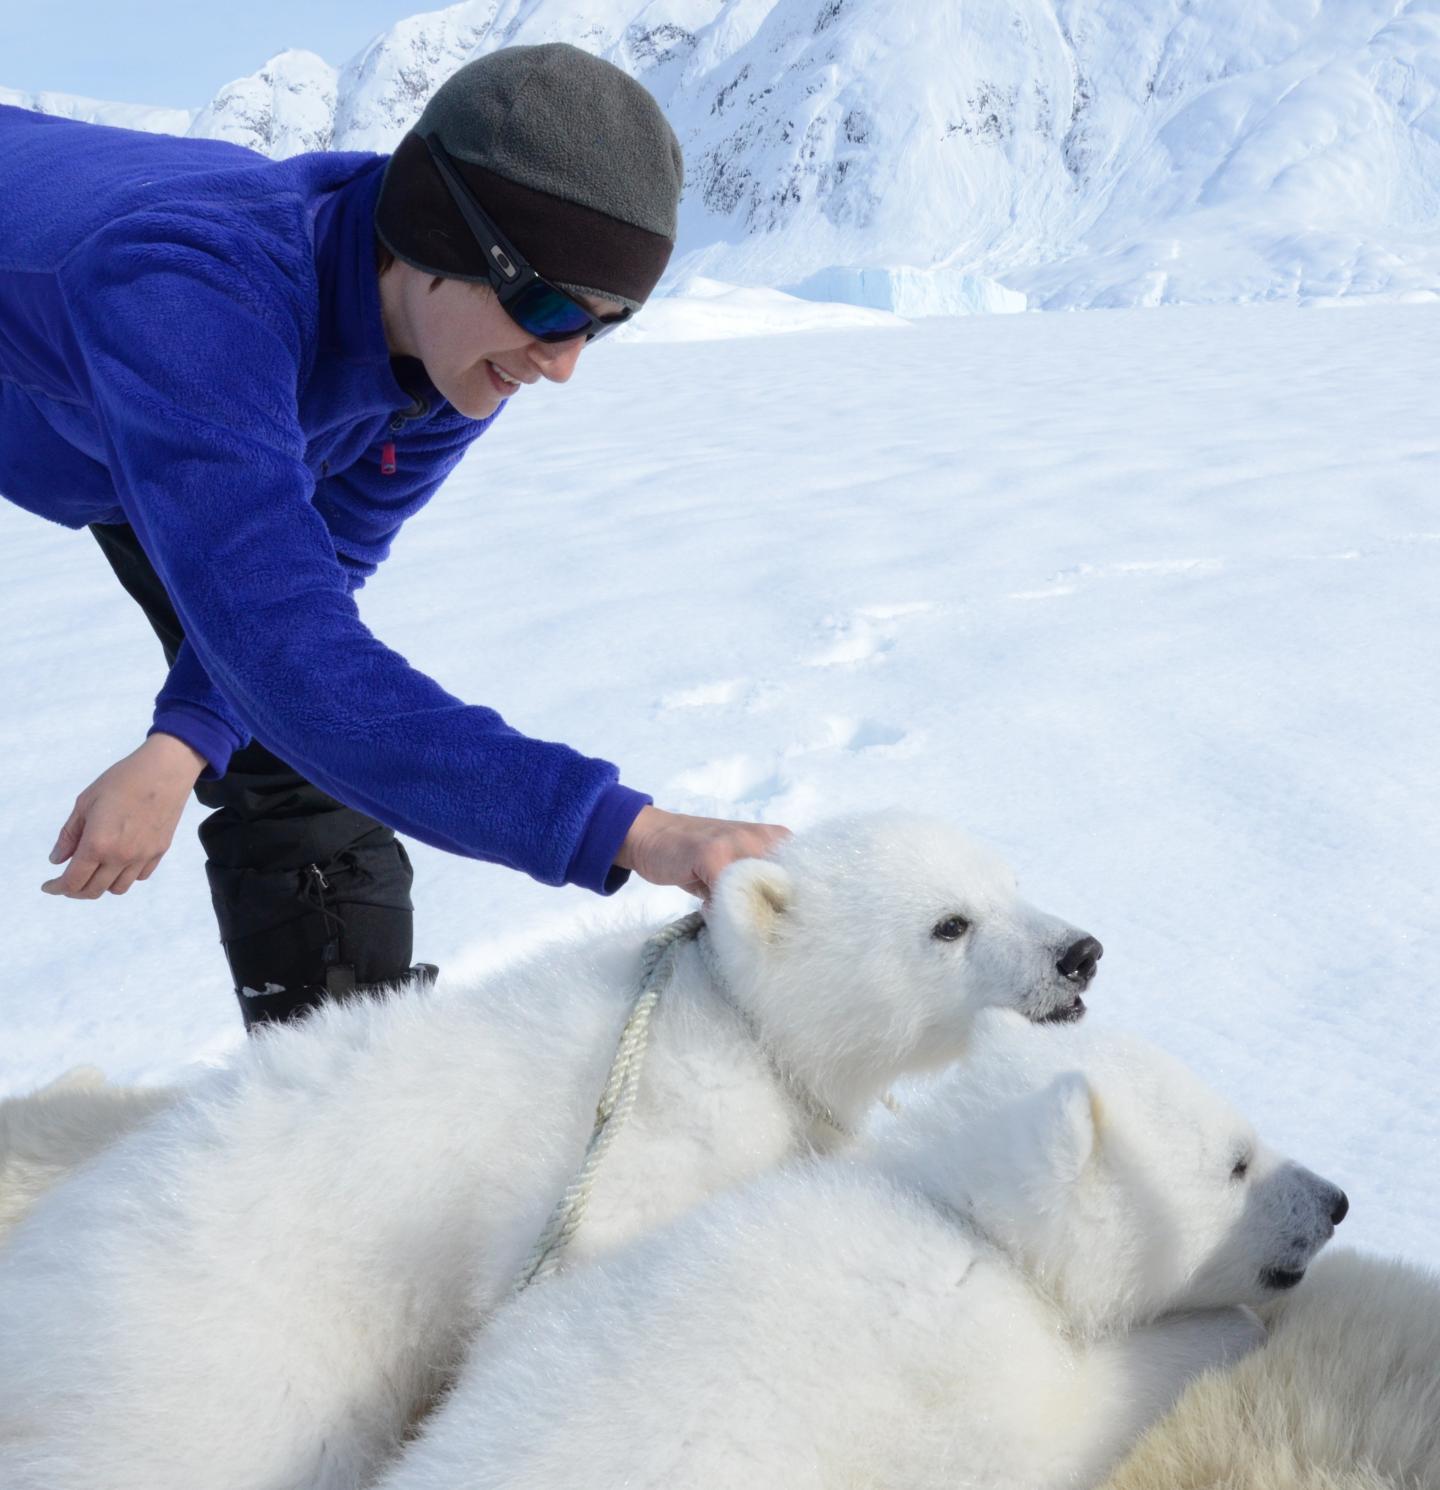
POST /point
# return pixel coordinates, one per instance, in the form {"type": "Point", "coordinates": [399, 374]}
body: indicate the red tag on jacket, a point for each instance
{"type": "Point", "coordinates": [387, 458]}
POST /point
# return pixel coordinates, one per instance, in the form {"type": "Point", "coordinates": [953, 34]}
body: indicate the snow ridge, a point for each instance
{"type": "Point", "coordinates": [929, 158]}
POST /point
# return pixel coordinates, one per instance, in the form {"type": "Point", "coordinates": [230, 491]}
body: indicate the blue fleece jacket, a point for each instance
{"type": "Point", "coordinates": [191, 342]}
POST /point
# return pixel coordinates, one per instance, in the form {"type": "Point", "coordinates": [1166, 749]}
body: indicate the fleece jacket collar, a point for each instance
{"type": "Point", "coordinates": [352, 325]}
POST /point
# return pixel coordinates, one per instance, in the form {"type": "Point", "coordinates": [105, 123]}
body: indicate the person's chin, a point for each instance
{"type": "Point", "coordinates": [474, 404]}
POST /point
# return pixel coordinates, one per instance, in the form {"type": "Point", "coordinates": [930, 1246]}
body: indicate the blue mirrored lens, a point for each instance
{"type": "Point", "coordinates": [543, 311]}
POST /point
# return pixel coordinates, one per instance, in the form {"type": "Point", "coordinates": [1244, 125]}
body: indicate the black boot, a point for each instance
{"type": "Point", "coordinates": [295, 937]}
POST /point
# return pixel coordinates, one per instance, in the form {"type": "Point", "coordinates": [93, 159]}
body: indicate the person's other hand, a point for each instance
{"type": "Point", "coordinates": [124, 820]}
{"type": "Point", "coordinates": [670, 848]}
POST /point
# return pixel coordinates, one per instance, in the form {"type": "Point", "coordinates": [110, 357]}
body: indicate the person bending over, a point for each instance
{"type": "Point", "coordinates": [244, 375]}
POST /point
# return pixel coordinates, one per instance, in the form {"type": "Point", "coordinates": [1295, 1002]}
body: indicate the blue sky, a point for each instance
{"type": "Point", "coordinates": [175, 52]}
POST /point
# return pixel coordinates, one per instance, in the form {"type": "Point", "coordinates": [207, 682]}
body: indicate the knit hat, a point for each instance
{"type": "Point", "coordinates": [572, 158]}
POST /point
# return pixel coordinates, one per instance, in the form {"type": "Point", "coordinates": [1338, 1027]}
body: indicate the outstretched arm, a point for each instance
{"type": "Point", "coordinates": [192, 348]}
{"type": "Point", "coordinates": [122, 825]}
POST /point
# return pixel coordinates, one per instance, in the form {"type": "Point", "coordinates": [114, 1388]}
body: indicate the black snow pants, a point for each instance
{"type": "Point", "coordinates": [312, 897]}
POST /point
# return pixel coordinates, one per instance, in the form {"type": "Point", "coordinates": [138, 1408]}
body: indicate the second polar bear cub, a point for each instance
{"type": "Point", "coordinates": [269, 1282]}
{"type": "Point", "coordinates": [989, 1301]}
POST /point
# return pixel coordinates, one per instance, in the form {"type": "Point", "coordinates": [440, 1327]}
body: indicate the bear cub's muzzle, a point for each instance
{"type": "Point", "coordinates": [1077, 965]}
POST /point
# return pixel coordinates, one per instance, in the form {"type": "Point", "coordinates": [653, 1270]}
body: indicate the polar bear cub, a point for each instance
{"type": "Point", "coordinates": [1345, 1395]}
{"type": "Point", "coordinates": [267, 1285]}
{"type": "Point", "coordinates": [989, 1299]}
{"type": "Point", "coordinates": [47, 1133]}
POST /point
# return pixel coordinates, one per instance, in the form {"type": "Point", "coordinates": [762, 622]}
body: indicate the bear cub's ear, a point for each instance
{"type": "Point", "coordinates": [1065, 1125]}
{"type": "Point", "coordinates": [753, 895]}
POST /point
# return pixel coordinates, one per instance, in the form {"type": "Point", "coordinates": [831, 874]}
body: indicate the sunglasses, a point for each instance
{"type": "Point", "coordinates": [532, 302]}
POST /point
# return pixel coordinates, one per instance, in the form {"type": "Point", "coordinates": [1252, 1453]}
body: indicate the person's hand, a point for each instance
{"type": "Point", "coordinates": [124, 820]}
{"type": "Point", "coordinates": [669, 848]}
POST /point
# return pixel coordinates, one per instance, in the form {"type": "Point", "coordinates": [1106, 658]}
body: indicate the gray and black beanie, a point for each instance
{"type": "Point", "coordinates": [572, 158]}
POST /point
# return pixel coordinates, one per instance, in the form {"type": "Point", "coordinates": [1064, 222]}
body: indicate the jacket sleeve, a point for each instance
{"type": "Point", "coordinates": [193, 709]}
{"type": "Point", "coordinates": [192, 338]}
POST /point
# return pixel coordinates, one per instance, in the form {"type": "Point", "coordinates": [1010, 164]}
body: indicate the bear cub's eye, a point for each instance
{"type": "Point", "coordinates": [1241, 1169]}
{"type": "Point", "coordinates": [951, 929]}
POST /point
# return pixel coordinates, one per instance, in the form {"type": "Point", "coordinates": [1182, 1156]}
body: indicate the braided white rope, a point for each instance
{"type": "Point", "coordinates": [657, 967]}
{"type": "Point", "coordinates": [801, 1094]}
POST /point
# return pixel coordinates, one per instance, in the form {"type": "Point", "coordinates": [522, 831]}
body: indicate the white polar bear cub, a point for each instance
{"type": "Point", "coordinates": [1345, 1395]}
{"type": "Point", "coordinates": [976, 1304]}
{"type": "Point", "coordinates": [262, 1289]}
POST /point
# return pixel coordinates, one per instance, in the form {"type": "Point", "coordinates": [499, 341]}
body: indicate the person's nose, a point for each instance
{"type": "Point", "coordinates": [556, 359]}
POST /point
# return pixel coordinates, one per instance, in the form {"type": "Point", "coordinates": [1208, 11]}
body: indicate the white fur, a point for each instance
{"type": "Point", "coordinates": [1344, 1396]}
{"type": "Point", "coordinates": [47, 1133]}
{"type": "Point", "coordinates": [261, 1290]}
{"type": "Point", "coordinates": [987, 1300]}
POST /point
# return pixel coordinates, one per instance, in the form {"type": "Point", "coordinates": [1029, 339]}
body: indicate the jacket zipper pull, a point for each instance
{"type": "Point", "coordinates": [387, 458]}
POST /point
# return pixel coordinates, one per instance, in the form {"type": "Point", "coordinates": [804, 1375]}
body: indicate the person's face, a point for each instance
{"type": "Point", "coordinates": [468, 343]}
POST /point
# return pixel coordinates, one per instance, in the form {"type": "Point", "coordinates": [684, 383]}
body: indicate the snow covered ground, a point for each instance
{"type": "Point", "coordinates": [1147, 598]}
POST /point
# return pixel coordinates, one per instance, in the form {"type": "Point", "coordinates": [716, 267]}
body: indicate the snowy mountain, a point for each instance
{"type": "Point", "coordinates": [99, 111]}
{"type": "Point", "coordinates": [286, 108]}
{"type": "Point", "coordinates": [924, 157]}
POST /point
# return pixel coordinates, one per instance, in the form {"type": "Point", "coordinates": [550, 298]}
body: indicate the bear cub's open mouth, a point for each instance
{"type": "Point", "coordinates": [1065, 1014]}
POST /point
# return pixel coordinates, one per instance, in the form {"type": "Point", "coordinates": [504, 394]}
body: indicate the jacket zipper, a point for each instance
{"type": "Point", "coordinates": [417, 410]}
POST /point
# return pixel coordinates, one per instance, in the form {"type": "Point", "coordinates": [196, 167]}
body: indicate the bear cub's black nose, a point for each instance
{"type": "Point", "coordinates": [1341, 1209]}
{"type": "Point", "coordinates": [1078, 963]}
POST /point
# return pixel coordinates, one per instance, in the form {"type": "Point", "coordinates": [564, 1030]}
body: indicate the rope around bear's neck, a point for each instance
{"type": "Point", "coordinates": [805, 1099]}
{"type": "Point", "coordinates": [657, 967]}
